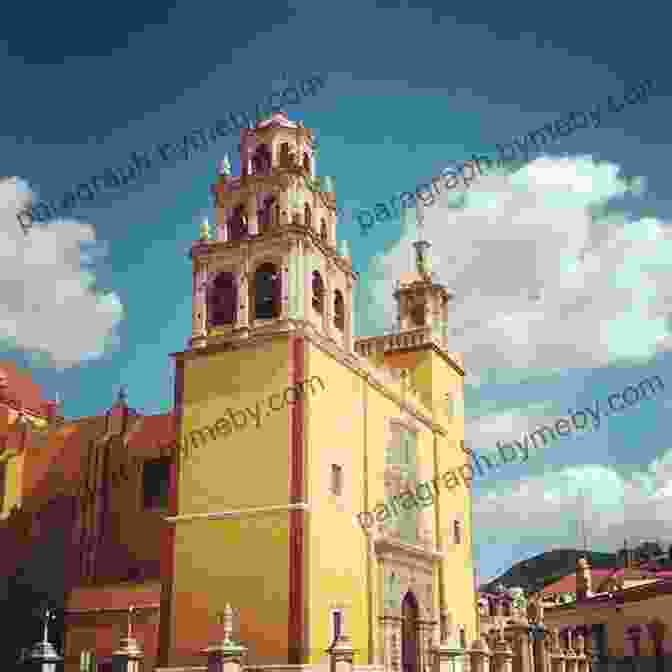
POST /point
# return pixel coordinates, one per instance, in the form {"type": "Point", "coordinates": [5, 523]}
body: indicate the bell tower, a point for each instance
{"type": "Point", "coordinates": [272, 260]}
{"type": "Point", "coordinates": [422, 302]}
{"type": "Point", "coordinates": [272, 313]}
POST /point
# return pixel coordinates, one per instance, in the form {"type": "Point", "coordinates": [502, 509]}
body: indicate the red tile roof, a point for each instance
{"type": "Point", "coordinates": [21, 387]}
{"type": "Point", "coordinates": [567, 584]}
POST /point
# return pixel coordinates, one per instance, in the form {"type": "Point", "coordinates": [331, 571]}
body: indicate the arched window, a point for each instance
{"type": "Point", "coordinates": [318, 293]}
{"type": "Point", "coordinates": [307, 215]}
{"type": "Point", "coordinates": [285, 159]}
{"type": "Point", "coordinates": [276, 212]}
{"type": "Point", "coordinates": [306, 162]}
{"type": "Point", "coordinates": [410, 642]}
{"type": "Point", "coordinates": [339, 310]}
{"type": "Point", "coordinates": [237, 224]}
{"type": "Point", "coordinates": [323, 229]}
{"type": "Point", "coordinates": [261, 161]}
{"type": "Point", "coordinates": [265, 215]}
{"type": "Point", "coordinates": [266, 292]}
{"type": "Point", "coordinates": [419, 313]}
{"type": "Point", "coordinates": [222, 300]}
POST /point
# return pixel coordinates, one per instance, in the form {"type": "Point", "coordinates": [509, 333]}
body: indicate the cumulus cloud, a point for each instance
{"type": "Point", "coordinates": [536, 258]}
{"type": "Point", "coordinates": [482, 433]}
{"type": "Point", "coordinates": [542, 510]}
{"type": "Point", "coordinates": [49, 306]}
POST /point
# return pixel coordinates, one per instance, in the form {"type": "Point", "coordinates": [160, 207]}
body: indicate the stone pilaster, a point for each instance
{"type": "Point", "coordinates": [349, 321]}
{"type": "Point", "coordinates": [243, 308]}
{"type": "Point", "coordinates": [285, 286]}
{"type": "Point", "coordinates": [252, 218]}
{"type": "Point", "coordinates": [328, 322]}
{"type": "Point", "coordinates": [226, 655]}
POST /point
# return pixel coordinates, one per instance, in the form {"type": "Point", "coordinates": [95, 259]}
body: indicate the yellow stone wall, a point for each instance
{"type": "Point", "coordinates": [434, 377]}
{"type": "Point", "coordinates": [244, 560]}
{"type": "Point", "coordinates": [13, 481]}
{"type": "Point", "coordinates": [337, 432]}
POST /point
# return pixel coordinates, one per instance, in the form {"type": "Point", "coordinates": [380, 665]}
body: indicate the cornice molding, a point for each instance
{"type": "Point", "coordinates": [351, 361]}
{"type": "Point", "coordinates": [235, 513]}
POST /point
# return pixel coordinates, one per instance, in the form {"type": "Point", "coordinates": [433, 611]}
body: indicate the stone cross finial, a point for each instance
{"type": "Point", "coordinates": [225, 165]}
{"type": "Point", "coordinates": [226, 620]}
{"type": "Point", "coordinates": [48, 614]}
{"type": "Point", "coordinates": [131, 609]}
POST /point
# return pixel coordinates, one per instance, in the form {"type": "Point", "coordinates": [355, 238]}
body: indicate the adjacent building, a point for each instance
{"type": "Point", "coordinates": [629, 615]}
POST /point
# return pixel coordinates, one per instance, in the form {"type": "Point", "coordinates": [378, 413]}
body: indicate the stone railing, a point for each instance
{"type": "Point", "coordinates": [413, 338]}
{"type": "Point", "coordinates": [520, 645]}
{"type": "Point", "coordinates": [397, 341]}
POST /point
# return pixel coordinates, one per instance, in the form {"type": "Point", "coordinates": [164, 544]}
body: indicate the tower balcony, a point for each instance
{"type": "Point", "coordinates": [412, 338]}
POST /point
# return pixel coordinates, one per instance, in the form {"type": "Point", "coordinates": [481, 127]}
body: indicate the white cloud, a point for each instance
{"type": "Point", "coordinates": [544, 278]}
{"type": "Point", "coordinates": [482, 433]}
{"type": "Point", "coordinates": [542, 511]}
{"type": "Point", "coordinates": [48, 305]}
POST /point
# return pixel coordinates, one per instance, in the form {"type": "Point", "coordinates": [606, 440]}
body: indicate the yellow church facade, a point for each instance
{"type": "Point", "coordinates": [295, 436]}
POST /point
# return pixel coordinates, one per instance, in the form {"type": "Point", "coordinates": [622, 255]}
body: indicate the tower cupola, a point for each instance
{"type": "Point", "coordinates": [272, 261]}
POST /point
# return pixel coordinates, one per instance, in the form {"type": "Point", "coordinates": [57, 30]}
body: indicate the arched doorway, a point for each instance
{"type": "Point", "coordinates": [410, 650]}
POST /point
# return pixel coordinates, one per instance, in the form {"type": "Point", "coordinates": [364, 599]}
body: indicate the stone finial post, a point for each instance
{"type": "Point", "coordinates": [480, 656]}
{"type": "Point", "coordinates": [443, 653]}
{"type": "Point", "coordinates": [43, 656]}
{"type": "Point", "coordinates": [557, 656]}
{"type": "Point", "coordinates": [502, 654]}
{"type": "Point", "coordinates": [583, 579]}
{"type": "Point", "coordinates": [581, 655]}
{"type": "Point", "coordinates": [571, 662]}
{"type": "Point", "coordinates": [341, 654]}
{"type": "Point", "coordinates": [226, 656]}
{"type": "Point", "coordinates": [128, 657]}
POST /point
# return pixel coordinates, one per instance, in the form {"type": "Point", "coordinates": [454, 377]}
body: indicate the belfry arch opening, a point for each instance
{"type": "Point", "coordinates": [222, 300]}
{"type": "Point", "coordinates": [266, 292]}
{"type": "Point", "coordinates": [410, 649]}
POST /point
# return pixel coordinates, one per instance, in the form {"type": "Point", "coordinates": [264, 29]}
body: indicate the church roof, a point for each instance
{"type": "Point", "coordinates": [21, 388]}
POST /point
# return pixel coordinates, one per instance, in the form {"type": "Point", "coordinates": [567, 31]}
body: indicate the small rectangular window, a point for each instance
{"type": "Point", "coordinates": [457, 532]}
{"type": "Point", "coordinates": [450, 405]}
{"type": "Point", "coordinates": [155, 483]}
{"type": "Point", "coordinates": [463, 639]}
{"type": "Point", "coordinates": [336, 479]}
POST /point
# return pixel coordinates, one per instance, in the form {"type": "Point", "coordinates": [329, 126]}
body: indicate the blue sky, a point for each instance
{"type": "Point", "coordinates": [411, 89]}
